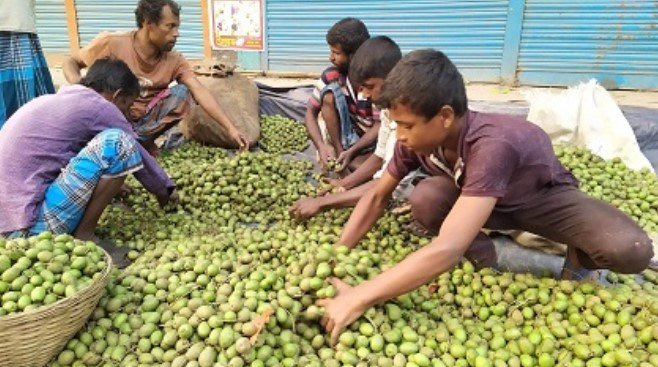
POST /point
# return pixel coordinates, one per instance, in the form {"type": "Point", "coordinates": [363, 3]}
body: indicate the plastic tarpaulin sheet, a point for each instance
{"type": "Point", "coordinates": [290, 102]}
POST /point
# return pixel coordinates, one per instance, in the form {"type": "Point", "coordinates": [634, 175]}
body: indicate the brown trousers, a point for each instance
{"type": "Point", "coordinates": [604, 237]}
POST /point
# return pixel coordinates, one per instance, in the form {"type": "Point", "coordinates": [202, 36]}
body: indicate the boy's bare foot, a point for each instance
{"type": "Point", "coordinates": [402, 209]}
{"type": "Point", "coordinates": [573, 270]}
{"type": "Point", "coordinates": [418, 229]}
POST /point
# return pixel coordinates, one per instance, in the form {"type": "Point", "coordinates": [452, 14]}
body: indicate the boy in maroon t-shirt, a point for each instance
{"type": "Point", "coordinates": [488, 170]}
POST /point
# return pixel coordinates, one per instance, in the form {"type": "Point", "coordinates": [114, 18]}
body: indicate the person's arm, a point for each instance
{"type": "Point", "coordinates": [308, 207]}
{"type": "Point", "coordinates": [154, 179]}
{"type": "Point", "coordinates": [99, 47]}
{"type": "Point", "coordinates": [314, 106]}
{"type": "Point", "coordinates": [347, 198]}
{"type": "Point", "coordinates": [373, 163]}
{"type": "Point", "coordinates": [312, 126]}
{"type": "Point", "coordinates": [362, 174]}
{"type": "Point", "coordinates": [367, 140]}
{"type": "Point", "coordinates": [209, 104]}
{"type": "Point", "coordinates": [368, 210]}
{"type": "Point", "coordinates": [462, 225]}
{"type": "Point", "coordinates": [313, 130]}
{"type": "Point", "coordinates": [71, 68]}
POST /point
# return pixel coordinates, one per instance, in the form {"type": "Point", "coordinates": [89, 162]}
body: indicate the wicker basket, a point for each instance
{"type": "Point", "coordinates": [33, 338]}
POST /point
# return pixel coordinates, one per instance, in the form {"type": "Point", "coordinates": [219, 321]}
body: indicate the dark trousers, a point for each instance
{"type": "Point", "coordinates": [603, 236]}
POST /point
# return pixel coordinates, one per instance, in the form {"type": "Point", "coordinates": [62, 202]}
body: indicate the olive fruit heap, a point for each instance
{"type": "Point", "coordinates": [633, 192]}
{"type": "Point", "coordinates": [215, 191]}
{"type": "Point", "coordinates": [281, 135]}
{"type": "Point", "coordinates": [191, 151]}
{"type": "Point", "coordinates": [227, 278]}
{"type": "Point", "coordinates": [43, 269]}
{"type": "Point", "coordinates": [251, 187]}
{"type": "Point", "coordinates": [242, 297]}
{"type": "Point", "coordinates": [247, 297]}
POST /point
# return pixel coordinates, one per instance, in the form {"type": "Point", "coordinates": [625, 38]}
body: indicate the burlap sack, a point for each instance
{"type": "Point", "coordinates": [238, 97]}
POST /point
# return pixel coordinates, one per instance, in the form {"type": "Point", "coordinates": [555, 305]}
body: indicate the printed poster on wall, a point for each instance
{"type": "Point", "coordinates": [237, 25]}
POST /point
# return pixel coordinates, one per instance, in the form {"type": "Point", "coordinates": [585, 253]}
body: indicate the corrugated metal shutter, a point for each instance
{"type": "Point", "coordinates": [190, 42]}
{"type": "Point", "coordinates": [471, 32]}
{"type": "Point", "coordinates": [51, 25]}
{"type": "Point", "coordinates": [119, 15]}
{"type": "Point", "coordinates": [567, 41]}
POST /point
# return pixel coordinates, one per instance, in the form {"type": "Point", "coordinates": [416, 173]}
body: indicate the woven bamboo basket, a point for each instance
{"type": "Point", "coordinates": [33, 338]}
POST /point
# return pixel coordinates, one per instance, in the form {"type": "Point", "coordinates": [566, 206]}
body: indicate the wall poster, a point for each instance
{"type": "Point", "coordinates": [237, 25]}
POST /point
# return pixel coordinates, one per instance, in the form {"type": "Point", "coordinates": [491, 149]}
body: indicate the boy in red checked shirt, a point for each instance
{"type": "Point", "coordinates": [351, 123]}
{"type": "Point", "coordinates": [488, 170]}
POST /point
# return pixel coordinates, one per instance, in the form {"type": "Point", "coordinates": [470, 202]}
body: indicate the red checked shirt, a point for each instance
{"type": "Point", "coordinates": [362, 111]}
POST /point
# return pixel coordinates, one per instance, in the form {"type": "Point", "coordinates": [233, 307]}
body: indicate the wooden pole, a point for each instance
{"type": "Point", "coordinates": [205, 15]}
{"type": "Point", "coordinates": [72, 25]}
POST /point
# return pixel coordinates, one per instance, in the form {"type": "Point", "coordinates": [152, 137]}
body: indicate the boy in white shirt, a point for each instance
{"type": "Point", "coordinates": [368, 69]}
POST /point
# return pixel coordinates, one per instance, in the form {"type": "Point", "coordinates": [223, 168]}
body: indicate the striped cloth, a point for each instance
{"type": "Point", "coordinates": [24, 73]}
{"type": "Point", "coordinates": [362, 112]}
{"type": "Point", "coordinates": [112, 153]}
{"type": "Point", "coordinates": [348, 134]}
{"type": "Point", "coordinates": [163, 111]}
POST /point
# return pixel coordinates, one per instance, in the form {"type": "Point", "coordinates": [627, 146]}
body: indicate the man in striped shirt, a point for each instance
{"type": "Point", "coordinates": [351, 122]}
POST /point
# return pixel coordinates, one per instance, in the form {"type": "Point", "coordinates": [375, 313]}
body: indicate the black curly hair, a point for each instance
{"type": "Point", "coordinates": [374, 59]}
{"type": "Point", "coordinates": [349, 33]}
{"type": "Point", "coordinates": [108, 75]}
{"type": "Point", "coordinates": [425, 81]}
{"type": "Point", "coordinates": [151, 10]}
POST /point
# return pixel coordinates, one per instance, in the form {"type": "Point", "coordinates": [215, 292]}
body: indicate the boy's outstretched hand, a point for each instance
{"type": "Point", "coordinates": [345, 158]}
{"type": "Point", "coordinates": [342, 310]}
{"type": "Point", "coordinates": [325, 153]}
{"type": "Point", "coordinates": [305, 208]}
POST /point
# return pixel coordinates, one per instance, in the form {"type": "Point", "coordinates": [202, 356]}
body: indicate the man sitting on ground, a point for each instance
{"type": "Point", "coordinates": [148, 53]}
{"type": "Point", "coordinates": [350, 122]}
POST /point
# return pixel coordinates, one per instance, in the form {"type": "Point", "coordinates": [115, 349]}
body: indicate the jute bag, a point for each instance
{"type": "Point", "coordinates": [238, 97]}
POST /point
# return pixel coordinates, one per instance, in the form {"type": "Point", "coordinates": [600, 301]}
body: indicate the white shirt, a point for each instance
{"type": "Point", "coordinates": [17, 16]}
{"type": "Point", "coordinates": [385, 141]}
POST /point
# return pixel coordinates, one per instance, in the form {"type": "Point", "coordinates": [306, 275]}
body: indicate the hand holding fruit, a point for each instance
{"type": "Point", "coordinates": [332, 185]}
{"type": "Point", "coordinates": [344, 159]}
{"type": "Point", "coordinates": [342, 310]}
{"type": "Point", "coordinates": [305, 208]}
{"type": "Point", "coordinates": [172, 199]}
{"type": "Point", "coordinates": [237, 136]}
{"type": "Point", "coordinates": [326, 154]}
